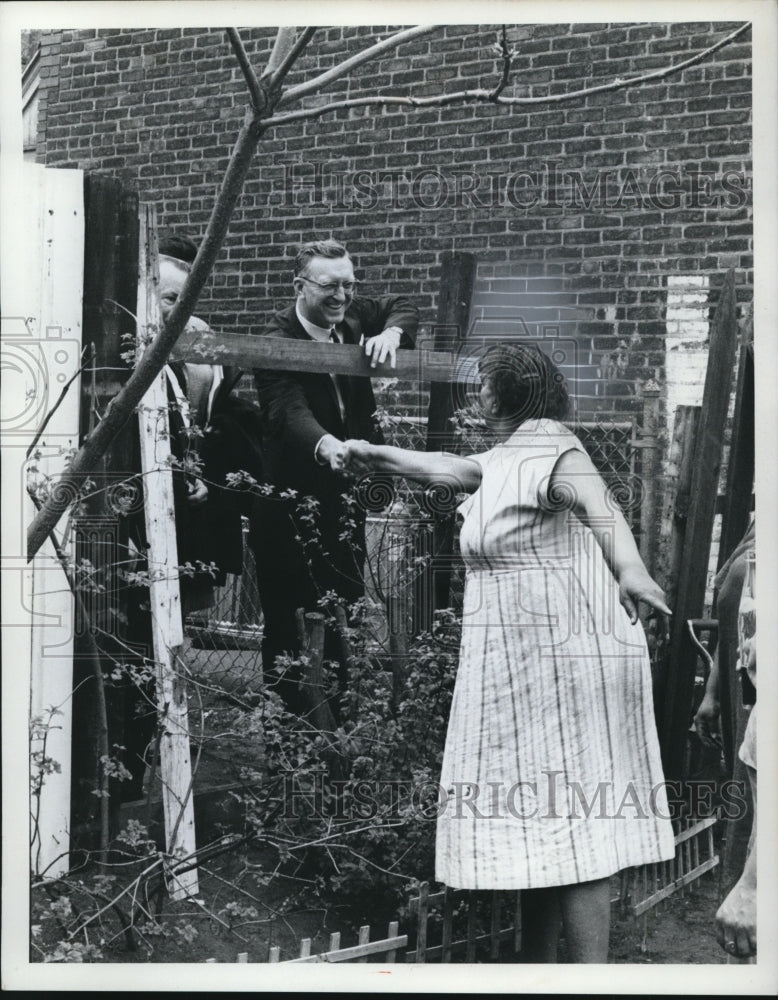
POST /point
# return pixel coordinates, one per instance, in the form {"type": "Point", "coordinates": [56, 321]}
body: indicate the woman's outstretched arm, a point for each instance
{"type": "Point", "coordinates": [575, 476]}
{"type": "Point", "coordinates": [463, 475]}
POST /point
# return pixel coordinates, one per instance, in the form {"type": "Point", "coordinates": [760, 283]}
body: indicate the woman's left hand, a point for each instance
{"type": "Point", "coordinates": [636, 585]}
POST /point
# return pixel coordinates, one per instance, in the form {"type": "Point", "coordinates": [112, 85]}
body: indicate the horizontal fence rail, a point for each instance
{"type": "Point", "coordinates": [274, 354]}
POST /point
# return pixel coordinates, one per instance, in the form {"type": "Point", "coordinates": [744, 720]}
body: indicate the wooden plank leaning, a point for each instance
{"type": "Point", "coordinates": [165, 597]}
{"type": "Point", "coordinates": [699, 529]}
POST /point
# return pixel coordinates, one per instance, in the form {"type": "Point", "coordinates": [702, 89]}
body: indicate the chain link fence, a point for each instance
{"type": "Point", "coordinates": [223, 644]}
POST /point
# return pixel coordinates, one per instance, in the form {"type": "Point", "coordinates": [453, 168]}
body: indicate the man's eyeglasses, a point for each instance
{"type": "Point", "coordinates": [331, 287]}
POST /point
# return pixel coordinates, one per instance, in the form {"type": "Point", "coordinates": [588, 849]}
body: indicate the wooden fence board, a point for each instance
{"type": "Point", "coordinates": [457, 285]}
{"type": "Point", "coordinates": [472, 914]}
{"type": "Point", "coordinates": [51, 307]}
{"type": "Point", "coordinates": [394, 933]}
{"type": "Point", "coordinates": [110, 293]}
{"type": "Point", "coordinates": [448, 920]}
{"type": "Point", "coordinates": [740, 469]}
{"type": "Point", "coordinates": [421, 936]}
{"type": "Point", "coordinates": [694, 563]}
{"type": "Point", "coordinates": [363, 939]}
{"type": "Point", "coordinates": [165, 598]}
{"type": "Point", "coordinates": [517, 924]}
{"type": "Point", "coordinates": [648, 517]}
{"type": "Point", "coordinates": [457, 947]}
{"type": "Point", "coordinates": [357, 952]}
{"type": "Point", "coordinates": [268, 353]}
{"type": "Point", "coordinates": [494, 951]}
{"type": "Point", "coordinates": [659, 882]}
{"type": "Point", "coordinates": [667, 891]}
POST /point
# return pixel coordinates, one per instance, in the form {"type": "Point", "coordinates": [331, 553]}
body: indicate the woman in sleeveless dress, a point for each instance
{"type": "Point", "coordinates": [551, 772]}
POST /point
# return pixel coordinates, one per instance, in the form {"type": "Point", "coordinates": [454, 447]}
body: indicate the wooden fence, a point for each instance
{"type": "Point", "coordinates": [386, 948]}
{"type": "Point", "coordinates": [458, 924]}
{"type": "Point", "coordinates": [477, 908]}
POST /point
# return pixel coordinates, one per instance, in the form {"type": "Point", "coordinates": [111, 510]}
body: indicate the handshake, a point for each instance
{"type": "Point", "coordinates": [351, 458]}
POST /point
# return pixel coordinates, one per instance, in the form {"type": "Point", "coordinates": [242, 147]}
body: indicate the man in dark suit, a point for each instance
{"type": "Point", "coordinates": [305, 550]}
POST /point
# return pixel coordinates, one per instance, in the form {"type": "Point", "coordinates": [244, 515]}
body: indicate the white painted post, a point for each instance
{"type": "Point", "coordinates": [167, 630]}
{"type": "Point", "coordinates": [51, 343]}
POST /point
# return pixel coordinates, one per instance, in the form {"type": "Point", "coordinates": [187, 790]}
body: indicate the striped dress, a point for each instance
{"type": "Point", "coordinates": [551, 772]}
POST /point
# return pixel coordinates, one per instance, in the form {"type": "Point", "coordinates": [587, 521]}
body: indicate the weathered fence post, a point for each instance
{"type": "Point", "coordinates": [110, 292]}
{"type": "Point", "coordinates": [312, 680]}
{"type": "Point", "coordinates": [448, 924]}
{"type": "Point", "coordinates": [677, 493]}
{"type": "Point", "coordinates": [648, 513]}
{"type": "Point", "coordinates": [347, 653]}
{"type": "Point", "coordinates": [740, 468]}
{"type": "Point", "coordinates": [421, 931]}
{"type": "Point", "coordinates": [399, 639]}
{"type": "Point", "coordinates": [393, 932]}
{"type": "Point", "coordinates": [696, 550]}
{"type": "Point", "coordinates": [472, 918]}
{"type": "Point", "coordinates": [675, 510]}
{"type": "Point", "coordinates": [42, 342]}
{"type": "Point", "coordinates": [165, 597]}
{"type": "Point", "coordinates": [457, 282]}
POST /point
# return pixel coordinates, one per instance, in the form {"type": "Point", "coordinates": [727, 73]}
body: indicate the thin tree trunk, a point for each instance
{"type": "Point", "coordinates": [156, 354]}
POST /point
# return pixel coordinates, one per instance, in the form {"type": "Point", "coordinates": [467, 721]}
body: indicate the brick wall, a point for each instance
{"type": "Point", "coordinates": [580, 212]}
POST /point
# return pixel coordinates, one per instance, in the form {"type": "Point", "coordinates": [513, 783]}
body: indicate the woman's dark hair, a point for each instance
{"type": "Point", "coordinates": [178, 246]}
{"type": "Point", "coordinates": [526, 383]}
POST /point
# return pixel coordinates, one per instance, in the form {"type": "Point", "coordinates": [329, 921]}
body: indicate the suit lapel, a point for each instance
{"type": "Point", "coordinates": [298, 331]}
{"type": "Point", "coordinates": [294, 326]}
{"type": "Point", "coordinates": [350, 328]}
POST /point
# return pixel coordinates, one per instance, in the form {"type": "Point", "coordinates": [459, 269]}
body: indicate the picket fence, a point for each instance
{"type": "Point", "coordinates": [486, 926]}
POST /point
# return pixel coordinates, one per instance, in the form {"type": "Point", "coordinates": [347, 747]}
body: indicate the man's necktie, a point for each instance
{"type": "Point", "coordinates": [342, 387]}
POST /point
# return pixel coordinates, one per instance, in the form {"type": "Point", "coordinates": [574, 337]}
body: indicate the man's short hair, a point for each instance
{"type": "Point", "coordinates": [317, 248]}
{"type": "Point", "coordinates": [178, 246]}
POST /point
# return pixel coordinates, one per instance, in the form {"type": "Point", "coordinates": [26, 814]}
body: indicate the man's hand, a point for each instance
{"type": "Point", "coordinates": [197, 492]}
{"type": "Point", "coordinates": [357, 458]}
{"type": "Point", "coordinates": [384, 347]}
{"type": "Point", "coordinates": [330, 451]}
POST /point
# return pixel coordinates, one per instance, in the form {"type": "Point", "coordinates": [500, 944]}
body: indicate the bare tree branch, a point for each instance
{"type": "Point", "coordinates": [282, 46]}
{"type": "Point", "coordinates": [506, 54]}
{"type": "Point", "coordinates": [481, 96]}
{"type": "Point", "coordinates": [291, 57]}
{"type": "Point", "coordinates": [257, 98]}
{"type": "Point", "coordinates": [386, 45]}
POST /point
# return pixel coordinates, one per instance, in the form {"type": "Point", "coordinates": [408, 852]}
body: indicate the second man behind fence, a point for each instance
{"type": "Point", "coordinates": [313, 543]}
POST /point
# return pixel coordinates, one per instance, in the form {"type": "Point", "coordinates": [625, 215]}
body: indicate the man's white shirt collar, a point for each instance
{"type": "Point", "coordinates": [313, 331]}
